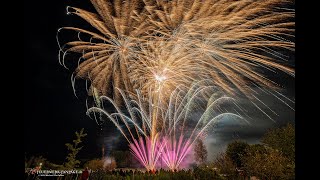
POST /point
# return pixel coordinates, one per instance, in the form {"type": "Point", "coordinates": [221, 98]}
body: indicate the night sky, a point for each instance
{"type": "Point", "coordinates": [52, 113]}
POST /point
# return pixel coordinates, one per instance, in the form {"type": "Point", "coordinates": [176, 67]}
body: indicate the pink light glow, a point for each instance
{"type": "Point", "coordinates": [147, 151]}
{"type": "Point", "coordinates": [164, 133]}
{"type": "Point", "coordinates": [174, 152]}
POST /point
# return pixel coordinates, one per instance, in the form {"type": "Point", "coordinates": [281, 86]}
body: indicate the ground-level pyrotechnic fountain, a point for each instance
{"type": "Point", "coordinates": [188, 115]}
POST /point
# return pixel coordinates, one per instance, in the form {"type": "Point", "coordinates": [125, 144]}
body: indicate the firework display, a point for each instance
{"type": "Point", "coordinates": [233, 43]}
{"type": "Point", "coordinates": [153, 128]}
{"type": "Point", "coordinates": [168, 67]}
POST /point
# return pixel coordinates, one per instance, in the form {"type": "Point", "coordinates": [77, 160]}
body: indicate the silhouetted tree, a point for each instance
{"type": "Point", "coordinates": [282, 139]}
{"type": "Point", "coordinates": [72, 162]}
{"type": "Point", "coordinates": [200, 152]}
{"type": "Point", "coordinates": [225, 165]}
{"type": "Point", "coordinates": [267, 164]}
{"type": "Point", "coordinates": [235, 151]}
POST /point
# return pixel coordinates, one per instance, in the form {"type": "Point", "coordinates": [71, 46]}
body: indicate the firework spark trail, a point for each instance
{"type": "Point", "coordinates": [174, 142]}
{"type": "Point", "coordinates": [263, 111]}
{"type": "Point", "coordinates": [265, 105]}
{"type": "Point", "coordinates": [146, 153]}
{"type": "Point", "coordinates": [285, 97]}
{"type": "Point", "coordinates": [226, 41]}
{"type": "Point", "coordinates": [156, 46]}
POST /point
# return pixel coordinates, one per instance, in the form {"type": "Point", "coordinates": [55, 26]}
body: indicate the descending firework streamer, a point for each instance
{"type": "Point", "coordinates": [121, 26]}
{"type": "Point", "coordinates": [188, 114]}
{"type": "Point", "coordinates": [233, 43]}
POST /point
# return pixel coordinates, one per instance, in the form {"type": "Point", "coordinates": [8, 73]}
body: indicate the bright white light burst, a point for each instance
{"type": "Point", "coordinates": [160, 78]}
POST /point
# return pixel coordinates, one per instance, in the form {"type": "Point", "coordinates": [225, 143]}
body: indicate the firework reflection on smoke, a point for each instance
{"type": "Point", "coordinates": [189, 114]}
{"type": "Point", "coordinates": [108, 162]}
